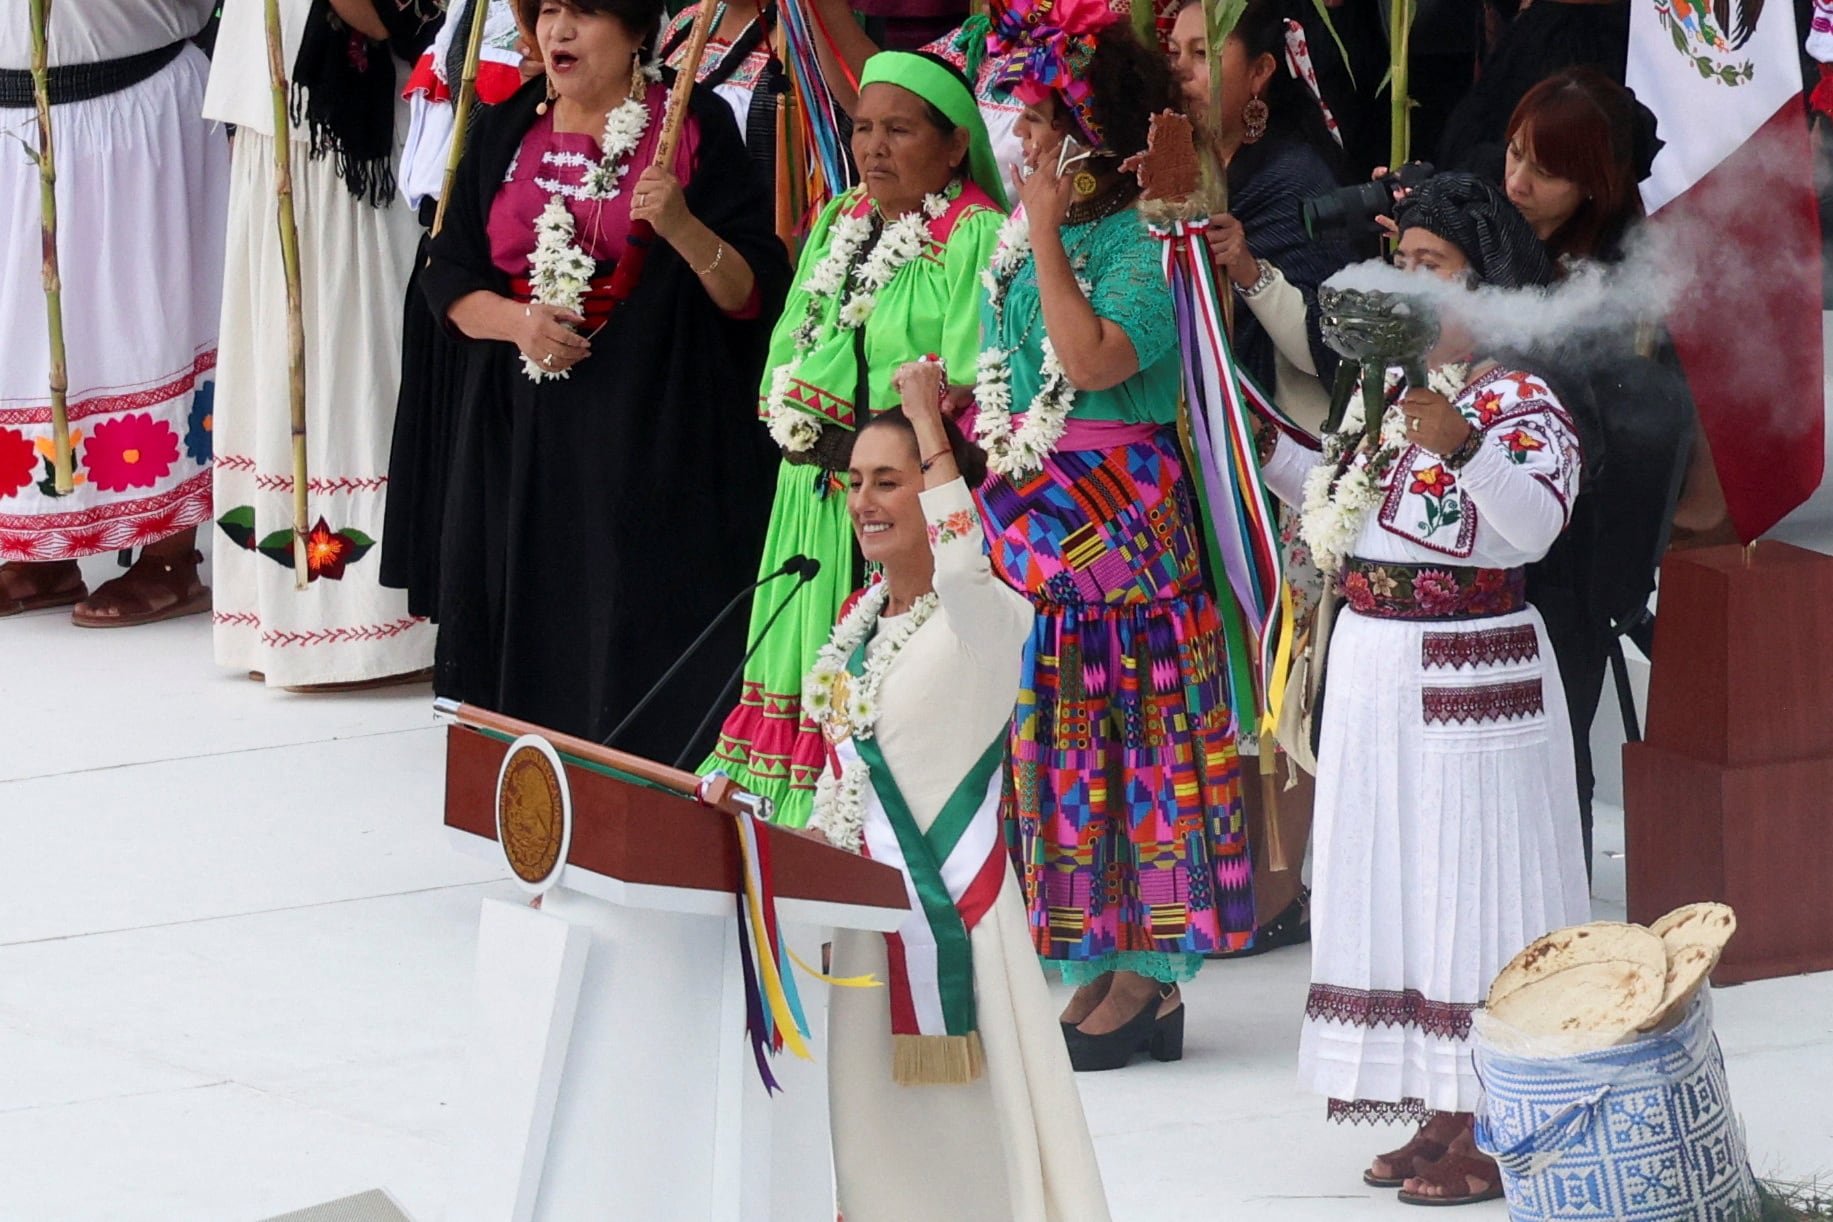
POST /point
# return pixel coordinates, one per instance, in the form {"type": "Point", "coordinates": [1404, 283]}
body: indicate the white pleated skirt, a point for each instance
{"type": "Point", "coordinates": [354, 262]}
{"type": "Point", "coordinates": [142, 191]}
{"type": "Point", "coordinates": [1446, 839]}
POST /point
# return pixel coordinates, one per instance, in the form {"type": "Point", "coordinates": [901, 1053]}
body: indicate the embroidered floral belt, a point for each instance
{"type": "Point", "coordinates": [1386, 589]}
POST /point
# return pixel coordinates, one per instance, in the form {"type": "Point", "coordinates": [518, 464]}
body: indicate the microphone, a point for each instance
{"type": "Point", "coordinates": [809, 567]}
{"type": "Point", "coordinates": [797, 565]}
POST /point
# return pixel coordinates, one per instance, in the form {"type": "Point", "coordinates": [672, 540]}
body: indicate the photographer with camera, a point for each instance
{"type": "Point", "coordinates": [1447, 830]}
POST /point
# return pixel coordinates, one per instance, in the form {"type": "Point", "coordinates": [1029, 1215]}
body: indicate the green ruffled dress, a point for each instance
{"type": "Point", "coordinates": [931, 305]}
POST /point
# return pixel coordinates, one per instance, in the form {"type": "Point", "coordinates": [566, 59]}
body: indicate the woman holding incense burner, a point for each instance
{"type": "Point", "coordinates": [1125, 790]}
{"type": "Point", "coordinates": [890, 272]}
{"type": "Point", "coordinates": [950, 1091]}
{"type": "Point", "coordinates": [609, 480]}
{"type": "Point", "coordinates": [1447, 831]}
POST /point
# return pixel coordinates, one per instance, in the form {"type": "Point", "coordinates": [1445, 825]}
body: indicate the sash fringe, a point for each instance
{"type": "Point", "coordinates": [937, 1060]}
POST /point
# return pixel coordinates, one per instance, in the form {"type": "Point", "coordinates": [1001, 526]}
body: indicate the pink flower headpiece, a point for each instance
{"type": "Point", "coordinates": [1044, 47]}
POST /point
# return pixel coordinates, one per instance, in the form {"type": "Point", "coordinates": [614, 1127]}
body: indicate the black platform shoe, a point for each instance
{"type": "Point", "coordinates": [1146, 1031]}
{"type": "Point", "coordinates": [1291, 927]}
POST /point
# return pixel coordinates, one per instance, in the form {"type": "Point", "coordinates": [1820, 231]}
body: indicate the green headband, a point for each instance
{"type": "Point", "coordinates": [943, 90]}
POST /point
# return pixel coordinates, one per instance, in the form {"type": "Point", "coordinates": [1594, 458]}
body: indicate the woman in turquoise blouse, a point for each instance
{"type": "Point", "coordinates": [1125, 790]}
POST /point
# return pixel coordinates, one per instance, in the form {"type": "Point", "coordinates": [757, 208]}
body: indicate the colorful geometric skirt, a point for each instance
{"type": "Point", "coordinates": [1125, 793]}
{"type": "Point", "coordinates": [766, 744]}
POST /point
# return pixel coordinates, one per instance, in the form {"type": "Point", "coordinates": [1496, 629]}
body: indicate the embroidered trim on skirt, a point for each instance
{"type": "Point", "coordinates": [767, 744]}
{"type": "Point", "coordinates": [1124, 796]}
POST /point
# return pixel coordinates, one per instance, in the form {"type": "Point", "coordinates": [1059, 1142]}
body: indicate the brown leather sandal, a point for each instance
{"type": "Point", "coordinates": [1408, 1160]}
{"type": "Point", "coordinates": [155, 589]}
{"type": "Point", "coordinates": [1451, 1176]}
{"type": "Point", "coordinates": [66, 587]}
{"type": "Point", "coordinates": [424, 675]}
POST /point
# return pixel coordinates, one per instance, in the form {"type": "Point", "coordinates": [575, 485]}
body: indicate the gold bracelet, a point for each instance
{"type": "Point", "coordinates": [719, 252]}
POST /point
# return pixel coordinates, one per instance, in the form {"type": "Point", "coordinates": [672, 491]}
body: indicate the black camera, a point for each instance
{"type": "Point", "coordinates": [1349, 212]}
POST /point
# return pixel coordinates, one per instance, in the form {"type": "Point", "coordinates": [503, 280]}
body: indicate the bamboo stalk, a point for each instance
{"type": "Point", "coordinates": [461, 106]}
{"type": "Point", "coordinates": [61, 463]}
{"type": "Point", "coordinates": [295, 311]}
{"type": "Point", "coordinates": [1400, 34]}
{"type": "Point", "coordinates": [684, 84]}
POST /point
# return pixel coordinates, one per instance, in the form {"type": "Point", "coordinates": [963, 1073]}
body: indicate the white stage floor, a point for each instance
{"type": "Point", "coordinates": [235, 957]}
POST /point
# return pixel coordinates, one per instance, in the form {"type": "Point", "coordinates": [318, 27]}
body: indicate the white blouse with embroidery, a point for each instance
{"type": "Point", "coordinates": [1503, 509]}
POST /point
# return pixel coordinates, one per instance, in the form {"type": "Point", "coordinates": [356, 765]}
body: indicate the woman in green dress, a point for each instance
{"type": "Point", "coordinates": [890, 273]}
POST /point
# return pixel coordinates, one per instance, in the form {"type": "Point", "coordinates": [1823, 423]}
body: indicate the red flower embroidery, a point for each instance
{"type": "Point", "coordinates": [18, 461]}
{"type": "Point", "coordinates": [1433, 481]}
{"type": "Point", "coordinates": [327, 552]}
{"type": "Point", "coordinates": [1488, 406]}
{"type": "Point", "coordinates": [130, 452]}
{"type": "Point", "coordinates": [1356, 590]}
{"type": "Point", "coordinates": [1436, 592]}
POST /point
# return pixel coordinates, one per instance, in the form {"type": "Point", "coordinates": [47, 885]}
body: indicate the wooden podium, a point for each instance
{"type": "Point", "coordinates": [1730, 797]}
{"type": "Point", "coordinates": [610, 1075]}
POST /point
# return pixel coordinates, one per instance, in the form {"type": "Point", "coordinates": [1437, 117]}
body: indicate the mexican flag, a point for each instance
{"type": "Point", "coordinates": [1735, 183]}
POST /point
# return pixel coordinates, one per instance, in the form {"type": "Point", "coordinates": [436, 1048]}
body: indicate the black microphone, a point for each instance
{"type": "Point", "coordinates": [794, 566]}
{"type": "Point", "coordinates": [809, 567]}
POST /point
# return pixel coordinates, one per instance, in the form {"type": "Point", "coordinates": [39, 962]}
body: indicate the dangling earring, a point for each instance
{"type": "Point", "coordinates": [1254, 120]}
{"type": "Point", "coordinates": [639, 84]}
{"type": "Point", "coordinates": [541, 107]}
{"type": "Point", "coordinates": [1085, 184]}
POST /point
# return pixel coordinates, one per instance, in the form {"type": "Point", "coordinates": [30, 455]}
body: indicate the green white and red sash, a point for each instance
{"type": "Point", "coordinates": [952, 874]}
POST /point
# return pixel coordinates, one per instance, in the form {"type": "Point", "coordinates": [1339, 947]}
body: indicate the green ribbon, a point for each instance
{"type": "Point", "coordinates": [924, 853]}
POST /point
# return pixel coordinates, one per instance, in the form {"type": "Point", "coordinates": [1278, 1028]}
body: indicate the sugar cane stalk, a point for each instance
{"type": "Point", "coordinates": [1219, 20]}
{"type": "Point", "coordinates": [295, 311]}
{"type": "Point", "coordinates": [61, 462]}
{"type": "Point", "coordinates": [461, 108]}
{"type": "Point", "coordinates": [1400, 33]}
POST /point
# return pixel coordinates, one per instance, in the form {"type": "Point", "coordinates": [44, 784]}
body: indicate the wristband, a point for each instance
{"type": "Point", "coordinates": [1467, 451]}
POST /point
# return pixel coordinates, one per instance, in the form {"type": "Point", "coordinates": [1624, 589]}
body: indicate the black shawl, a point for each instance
{"type": "Point", "coordinates": [1267, 182]}
{"type": "Point", "coordinates": [595, 524]}
{"type": "Point", "coordinates": [344, 89]}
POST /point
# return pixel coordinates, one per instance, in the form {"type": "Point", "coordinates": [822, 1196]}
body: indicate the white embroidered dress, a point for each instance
{"type": "Point", "coordinates": [142, 185]}
{"type": "Point", "coordinates": [354, 264]}
{"type": "Point", "coordinates": [1014, 1145]}
{"type": "Point", "coordinates": [1446, 834]}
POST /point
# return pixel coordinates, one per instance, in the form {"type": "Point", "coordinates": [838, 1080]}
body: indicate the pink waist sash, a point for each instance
{"type": "Point", "coordinates": [1082, 434]}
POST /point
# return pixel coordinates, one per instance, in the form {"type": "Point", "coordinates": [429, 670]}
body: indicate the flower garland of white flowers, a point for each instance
{"type": "Point", "coordinates": [841, 273]}
{"type": "Point", "coordinates": [832, 695]}
{"type": "Point", "coordinates": [1017, 453]}
{"type": "Point", "coordinates": [1337, 500]}
{"type": "Point", "coordinates": [560, 271]}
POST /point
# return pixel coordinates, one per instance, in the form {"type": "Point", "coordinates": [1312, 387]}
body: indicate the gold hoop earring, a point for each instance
{"type": "Point", "coordinates": [1085, 184]}
{"type": "Point", "coordinates": [1254, 118]}
{"type": "Point", "coordinates": [541, 107]}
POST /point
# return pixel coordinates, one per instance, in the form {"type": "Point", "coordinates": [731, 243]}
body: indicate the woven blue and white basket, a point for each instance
{"type": "Point", "coordinates": [1640, 1133]}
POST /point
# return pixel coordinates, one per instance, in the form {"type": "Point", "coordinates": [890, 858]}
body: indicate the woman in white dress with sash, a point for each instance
{"type": "Point", "coordinates": [950, 1088]}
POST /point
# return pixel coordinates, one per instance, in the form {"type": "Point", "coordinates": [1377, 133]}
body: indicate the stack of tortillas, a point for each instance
{"type": "Point", "coordinates": [1597, 985]}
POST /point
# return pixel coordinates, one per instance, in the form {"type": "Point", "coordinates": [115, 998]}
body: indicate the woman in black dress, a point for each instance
{"type": "Point", "coordinates": [610, 481]}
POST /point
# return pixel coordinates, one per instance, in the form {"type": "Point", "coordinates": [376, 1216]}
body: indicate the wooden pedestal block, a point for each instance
{"type": "Point", "coordinates": [1731, 796]}
{"type": "Point", "coordinates": [1758, 837]}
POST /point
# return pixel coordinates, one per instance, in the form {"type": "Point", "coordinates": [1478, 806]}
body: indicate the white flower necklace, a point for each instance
{"type": "Point", "coordinates": [848, 706]}
{"type": "Point", "coordinates": [1341, 490]}
{"type": "Point", "coordinates": [560, 270]}
{"type": "Point", "coordinates": [1015, 453]}
{"type": "Point", "coordinates": [842, 274]}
